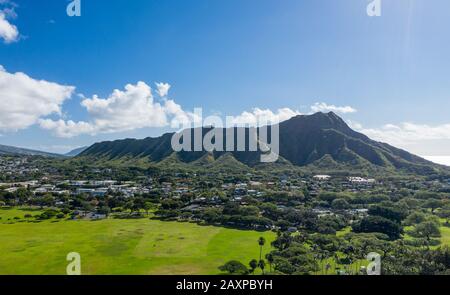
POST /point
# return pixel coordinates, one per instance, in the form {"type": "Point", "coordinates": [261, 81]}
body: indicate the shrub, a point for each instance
{"type": "Point", "coordinates": [234, 267]}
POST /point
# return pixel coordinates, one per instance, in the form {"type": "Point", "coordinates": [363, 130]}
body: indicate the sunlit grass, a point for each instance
{"type": "Point", "coordinates": [121, 246]}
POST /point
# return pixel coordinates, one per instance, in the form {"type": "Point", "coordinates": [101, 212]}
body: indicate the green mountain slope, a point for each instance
{"type": "Point", "coordinates": [10, 150]}
{"type": "Point", "coordinates": [320, 140]}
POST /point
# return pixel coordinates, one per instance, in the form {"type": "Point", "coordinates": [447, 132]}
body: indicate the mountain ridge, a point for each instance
{"type": "Point", "coordinates": [12, 150]}
{"type": "Point", "coordinates": [76, 152]}
{"type": "Point", "coordinates": [304, 140]}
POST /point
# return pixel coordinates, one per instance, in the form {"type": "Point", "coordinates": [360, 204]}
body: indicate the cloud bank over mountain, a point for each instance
{"type": "Point", "coordinates": [124, 110]}
{"type": "Point", "coordinates": [26, 102]}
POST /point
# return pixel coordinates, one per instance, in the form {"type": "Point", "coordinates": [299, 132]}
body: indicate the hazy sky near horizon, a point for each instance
{"type": "Point", "coordinates": [388, 76]}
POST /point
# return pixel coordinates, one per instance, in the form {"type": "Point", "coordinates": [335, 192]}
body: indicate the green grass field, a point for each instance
{"type": "Point", "coordinates": [113, 246]}
{"type": "Point", "coordinates": [445, 235]}
{"type": "Point", "coordinates": [444, 239]}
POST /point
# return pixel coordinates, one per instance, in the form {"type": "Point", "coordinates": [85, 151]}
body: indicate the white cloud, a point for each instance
{"type": "Point", "coordinates": [162, 89]}
{"type": "Point", "coordinates": [8, 32]}
{"type": "Point", "coordinates": [24, 100]}
{"type": "Point", "coordinates": [407, 132]}
{"type": "Point", "coordinates": [443, 160]}
{"type": "Point", "coordinates": [126, 110]}
{"type": "Point", "coordinates": [179, 116]}
{"type": "Point", "coordinates": [261, 117]}
{"type": "Point", "coordinates": [135, 108]}
{"type": "Point", "coordinates": [67, 129]}
{"type": "Point", "coordinates": [354, 125]}
{"type": "Point", "coordinates": [419, 139]}
{"type": "Point", "coordinates": [323, 107]}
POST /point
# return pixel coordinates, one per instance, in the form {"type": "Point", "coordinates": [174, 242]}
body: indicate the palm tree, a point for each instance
{"type": "Point", "coordinates": [261, 243]}
{"type": "Point", "coordinates": [262, 265]}
{"type": "Point", "coordinates": [253, 265]}
{"type": "Point", "coordinates": [337, 261]}
{"type": "Point", "coordinates": [269, 258]}
{"type": "Point", "coordinates": [323, 260]}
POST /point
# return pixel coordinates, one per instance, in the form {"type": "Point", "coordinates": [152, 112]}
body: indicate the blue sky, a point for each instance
{"type": "Point", "coordinates": [232, 56]}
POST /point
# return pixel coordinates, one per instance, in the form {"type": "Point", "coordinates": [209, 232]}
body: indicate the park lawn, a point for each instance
{"type": "Point", "coordinates": [7, 214]}
{"type": "Point", "coordinates": [444, 239]}
{"type": "Point", "coordinates": [445, 235]}
{"type": "Point", "coordinates": [121, 246]}
{"type": "Point", "coordinates": [344, 231]}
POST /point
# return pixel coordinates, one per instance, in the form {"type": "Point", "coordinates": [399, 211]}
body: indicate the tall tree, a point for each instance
{"type": "Point", "coordinates": [253, 265]}
{"type": "Point", "coordinates": [427, 230]}
{"type": "Point", "coordinates": [262, 265]}
{"type": "Point", "coordinates": [261, 243]}
{"type": "Point", "coordinates": [269, 258]}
